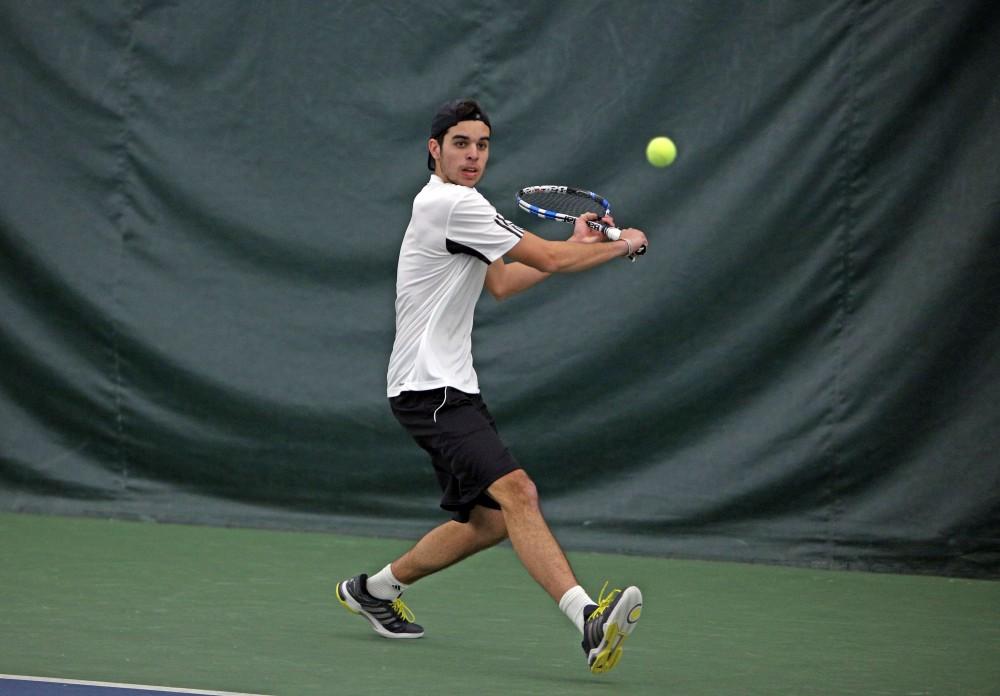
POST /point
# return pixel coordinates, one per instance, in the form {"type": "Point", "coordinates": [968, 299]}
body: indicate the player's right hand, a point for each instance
{"type": "Point", "coordinates": [637, 238]}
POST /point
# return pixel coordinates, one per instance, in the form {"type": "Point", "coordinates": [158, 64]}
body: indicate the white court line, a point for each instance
{"type": "Point", "coordinates": [113, 685]}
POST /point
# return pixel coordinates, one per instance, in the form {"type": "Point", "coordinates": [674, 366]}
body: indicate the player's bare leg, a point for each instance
{"type": "Point", "coordinates": [530, 535]}
{"type": "Point", "coordinates": [378, 599]}
{"type": "Point", "coordinates": [449, 543]}
{"type": "Point", "coordinates": [605, 624]}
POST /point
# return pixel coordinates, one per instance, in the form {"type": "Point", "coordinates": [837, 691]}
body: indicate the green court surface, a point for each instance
{"type": "Point", "coordinates": [254, 611]}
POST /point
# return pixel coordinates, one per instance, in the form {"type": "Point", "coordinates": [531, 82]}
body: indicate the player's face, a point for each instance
{"type": "Point", "coordinates": [462, 155]}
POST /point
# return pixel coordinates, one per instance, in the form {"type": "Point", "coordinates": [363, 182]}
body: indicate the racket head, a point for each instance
{"type": "Point", "coordinates": [562, 203]}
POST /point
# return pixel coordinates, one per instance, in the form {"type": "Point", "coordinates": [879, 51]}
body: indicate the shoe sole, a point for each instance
{"type": "Point", "coordinates": [620, 625]}
{"type": "Point", "coordinates": [352, 606]}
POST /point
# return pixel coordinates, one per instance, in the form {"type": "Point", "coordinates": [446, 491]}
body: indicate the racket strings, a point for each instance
{"type": "Point", "coordinates": [565, 203]}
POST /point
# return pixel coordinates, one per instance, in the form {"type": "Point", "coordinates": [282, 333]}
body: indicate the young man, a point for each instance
{"type": "Point", "coordinates": [454, 246]}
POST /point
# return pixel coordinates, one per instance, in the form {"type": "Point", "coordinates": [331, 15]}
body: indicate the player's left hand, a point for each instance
{"type": "Point", "coordinates": [584, 233]}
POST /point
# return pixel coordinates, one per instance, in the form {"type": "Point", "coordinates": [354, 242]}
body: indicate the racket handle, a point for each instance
{"type": "Point", "coordinates": [614, 234]}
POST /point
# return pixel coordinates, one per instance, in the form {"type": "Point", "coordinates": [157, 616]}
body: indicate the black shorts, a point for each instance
{"type": "Point", "coordinates": [459, 433]}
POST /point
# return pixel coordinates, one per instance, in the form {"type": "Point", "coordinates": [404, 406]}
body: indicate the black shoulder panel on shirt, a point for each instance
{"type": "Point", "coordinates": [457, 248]}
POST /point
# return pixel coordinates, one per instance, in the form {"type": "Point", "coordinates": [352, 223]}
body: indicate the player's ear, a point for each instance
{"type": "Point", "coordinates": [434, 148]}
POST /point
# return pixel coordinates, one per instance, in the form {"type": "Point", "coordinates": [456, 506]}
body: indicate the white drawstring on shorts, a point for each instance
{"type": "Point", "coordinates": [435, 416]}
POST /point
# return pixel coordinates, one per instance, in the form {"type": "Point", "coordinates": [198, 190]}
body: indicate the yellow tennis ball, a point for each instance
{"type": "Point", "coordinates": [661, 151]}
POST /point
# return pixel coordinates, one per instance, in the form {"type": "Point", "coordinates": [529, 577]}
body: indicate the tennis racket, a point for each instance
{"type": "Point", "coordinates": [566, 204]}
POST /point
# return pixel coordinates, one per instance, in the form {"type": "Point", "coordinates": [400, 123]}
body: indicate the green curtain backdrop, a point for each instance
{"type": "Point", "coordinates": [202, 206]}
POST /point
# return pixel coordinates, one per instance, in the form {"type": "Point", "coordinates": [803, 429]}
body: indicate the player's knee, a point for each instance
{"type": "Point", "coordinates": [515, 491]}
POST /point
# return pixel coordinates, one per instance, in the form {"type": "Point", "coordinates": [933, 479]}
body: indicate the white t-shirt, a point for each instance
{"type": "Point", "coordinates": [453, 235]}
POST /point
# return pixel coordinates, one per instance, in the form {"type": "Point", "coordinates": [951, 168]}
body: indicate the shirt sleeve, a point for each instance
{"type": "Point", "coordinates": [476, 228]}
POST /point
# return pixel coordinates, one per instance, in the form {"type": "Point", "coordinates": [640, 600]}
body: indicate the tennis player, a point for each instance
{"type": "Point", "coordinates": [454, 246]}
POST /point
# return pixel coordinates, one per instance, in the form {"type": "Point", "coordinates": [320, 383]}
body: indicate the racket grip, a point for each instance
{"type": "Point", "coordinates": [612, 233]}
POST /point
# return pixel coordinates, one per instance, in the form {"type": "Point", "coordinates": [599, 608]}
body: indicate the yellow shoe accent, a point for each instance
{"type": "Point", "coordinates": [388, 618]}
{"type": "Point", "coordinates": [402, 611]}
{"type": "Point", "coordinates": [615, 632]}
{"type": "Point", "coordinates": [603, 602]}
{"type": "Point", "coordinates": [398, 606]}
{"type": "Point", "coordinates": [608, 658]}
{"type": "Point", "coordinates": [344, 601]}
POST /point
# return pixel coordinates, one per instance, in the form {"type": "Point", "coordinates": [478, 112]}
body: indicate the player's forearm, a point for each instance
{"type": "Point", "coordinates": [520, 277]}
{"type": "Point", "coordinates": [506, 279]}
{"type": "Point", "coordinates": [564, 257]}
{"type": "Point", "coordinates": [572, 257]}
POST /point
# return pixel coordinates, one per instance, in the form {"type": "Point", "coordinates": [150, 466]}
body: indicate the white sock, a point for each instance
{"type": "Point", "coordinates": [573, 603]}
{"type": "Point", "coordinates": [384, 584]}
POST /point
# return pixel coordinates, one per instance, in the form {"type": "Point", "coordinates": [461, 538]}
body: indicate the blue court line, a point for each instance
{"type": "Point", "coordinates": [16, 685]}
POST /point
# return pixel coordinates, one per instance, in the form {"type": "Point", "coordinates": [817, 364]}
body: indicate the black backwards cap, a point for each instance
{"type": "Point", "coordinates": [454, 112]}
